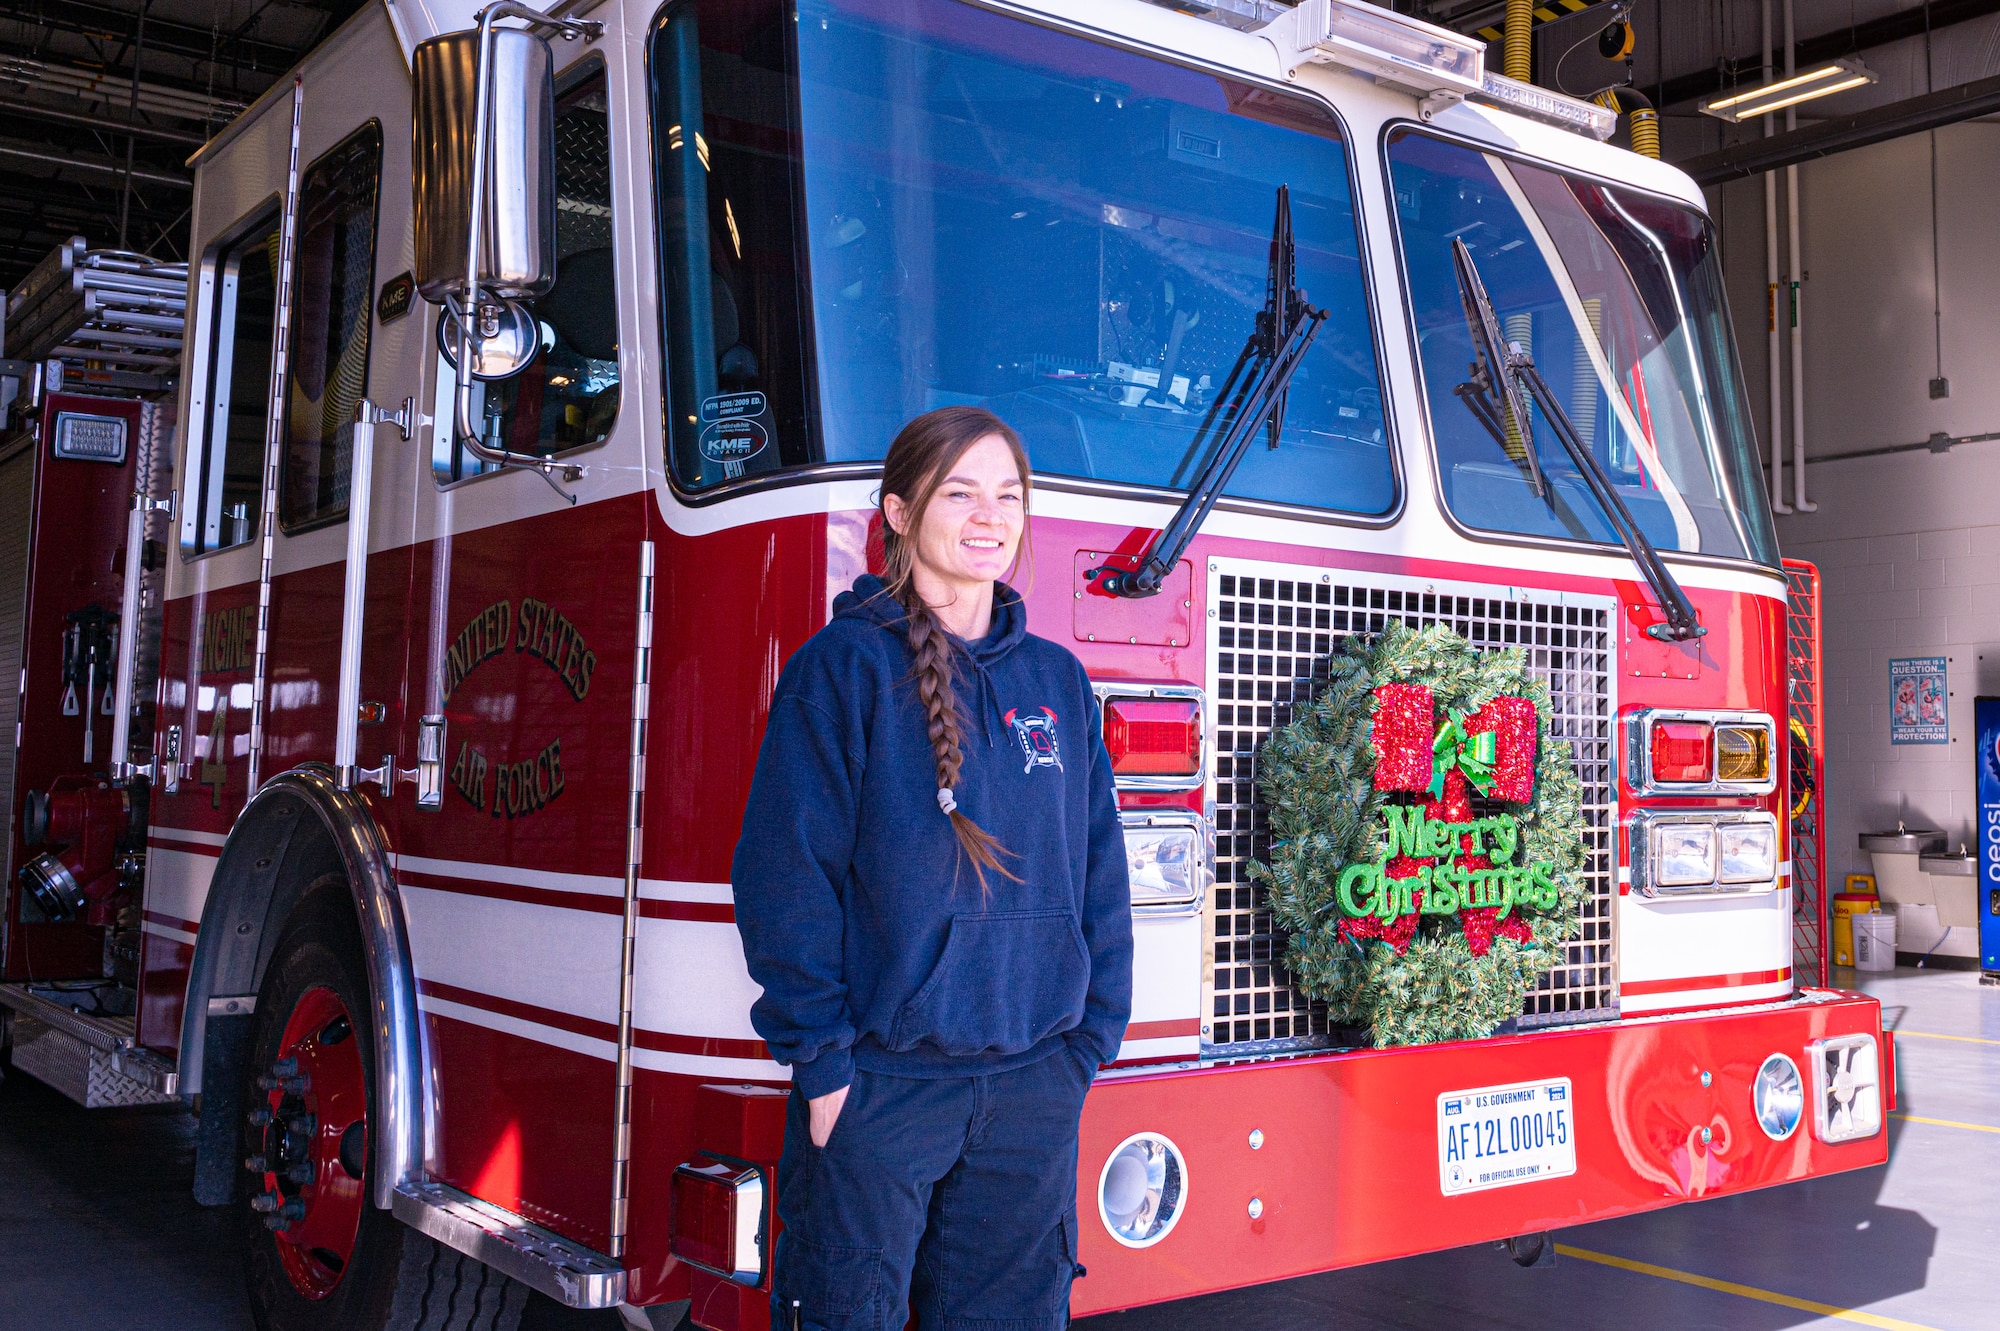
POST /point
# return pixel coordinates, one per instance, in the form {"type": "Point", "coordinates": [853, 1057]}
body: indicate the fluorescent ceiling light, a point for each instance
{"type": "Point", "coordinates": [1761, 101]}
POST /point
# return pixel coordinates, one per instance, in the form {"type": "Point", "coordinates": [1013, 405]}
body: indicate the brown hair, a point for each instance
{"type": "Point", "coordinates": [923, 454]}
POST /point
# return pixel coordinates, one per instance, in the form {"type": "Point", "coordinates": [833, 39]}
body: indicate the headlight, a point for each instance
{"type": "Point", "coordinates": [1142, 1190]}
{"type": "Point", "coordinates": [1847, 1088]}
{"type": "Point", "coordinates": [1749, 852]}
{"type": "Point", "coordinates": [1166, 856]}
{"type": "Point", "coordinates": [1684, 854]}
{"type": "Point", "coordinates": [1779, 1097]}
{"type": "Point", "coordinates": [1676, 853]}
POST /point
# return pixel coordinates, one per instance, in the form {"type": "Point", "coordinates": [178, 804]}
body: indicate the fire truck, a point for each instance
{"type": "Point", "coordinates": [398, 592]}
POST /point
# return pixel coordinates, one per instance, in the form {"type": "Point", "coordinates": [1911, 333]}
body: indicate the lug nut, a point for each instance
{"type": "Point", "coordinates": [301, 1173]}
{"type": "Point", "coordinates": [265, 1202]}
{"type": "Point", "coordinates": [255, 1164]}
{"type": "Point", "coordinates": [272, 1222]}
{"type": "Point", "coordinates": [260, 1118]}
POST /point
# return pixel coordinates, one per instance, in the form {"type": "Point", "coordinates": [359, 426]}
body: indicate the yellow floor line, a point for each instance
{"type": "Point", "coordinates": [1741, 1291]}
{"type": "Point", "coordinates": [1932, 1035]}
{"type": "Point", "coordinates": [1945, 1123]}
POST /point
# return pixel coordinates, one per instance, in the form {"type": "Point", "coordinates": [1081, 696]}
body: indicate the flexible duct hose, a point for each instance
{"type": "Point", "coordinates": [1517, 38]}
{"type": "Point", "coordinates": [1640, 117]}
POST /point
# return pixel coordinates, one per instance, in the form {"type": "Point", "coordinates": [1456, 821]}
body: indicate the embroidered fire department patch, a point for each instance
{"type": "Point", "coordinates": [1038, 738]}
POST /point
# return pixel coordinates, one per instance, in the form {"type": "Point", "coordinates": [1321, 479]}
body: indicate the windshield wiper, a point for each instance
{"type": "Point", "coordinates": [1499, 374]}
{"type": "Point", "coordinates": [1250, 399]}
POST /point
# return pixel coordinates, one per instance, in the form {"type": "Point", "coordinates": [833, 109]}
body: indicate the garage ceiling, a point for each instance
{"type": "Point", "coordinates": [103, 101]}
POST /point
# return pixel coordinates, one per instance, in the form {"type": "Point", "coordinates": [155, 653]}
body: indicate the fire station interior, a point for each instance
{"type": "Point", "coordinates": [1844, 153]}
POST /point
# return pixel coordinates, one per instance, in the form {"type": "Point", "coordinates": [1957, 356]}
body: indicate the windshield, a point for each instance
{"type": "Point", "coordinates": [981, 210]}
{"type": "Point", "coordinates": [1618, 296]}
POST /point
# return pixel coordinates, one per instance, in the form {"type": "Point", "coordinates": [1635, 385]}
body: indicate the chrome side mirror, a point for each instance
{"type": "Point", "coordinates": [517, 224]}
{"type": "Point", "coordinates": [482, 159]}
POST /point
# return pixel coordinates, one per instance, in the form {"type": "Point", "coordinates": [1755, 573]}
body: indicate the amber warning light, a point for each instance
{"type": "Point", "coordinates": [1153, 736]}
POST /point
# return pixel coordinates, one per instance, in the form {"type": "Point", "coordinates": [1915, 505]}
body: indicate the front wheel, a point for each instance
{"type": "Point", "coordinates": [319, 1255]}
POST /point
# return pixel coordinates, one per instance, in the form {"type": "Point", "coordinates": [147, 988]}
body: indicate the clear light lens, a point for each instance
{"type": "Point", "coordinates": [1742, 753]}
{"type": "Point", "coordinates": [1405, 42]}
{"type": "Point", "coordinates": [1684, 854]}
{"type": "Point", "coordinates": [1142, 1191]}
{"type": "Point", "coordinates": [1749, 852]}
{"type": "Point", "coordinates": [1847, 1088]}
{"type": "Point", "coordinates": [1164, 864]}
{"type": "Point", "coordinates": [1779, 1097]}
{"type": "Point", "coordinates": [1528, 100]}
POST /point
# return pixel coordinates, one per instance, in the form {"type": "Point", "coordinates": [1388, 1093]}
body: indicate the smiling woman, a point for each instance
{"type": "Point", "coordinates": [901, 1000]}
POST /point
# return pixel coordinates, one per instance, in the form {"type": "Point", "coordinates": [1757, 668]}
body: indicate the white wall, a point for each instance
{"type": "Point", "coordinates": [1908, 545]}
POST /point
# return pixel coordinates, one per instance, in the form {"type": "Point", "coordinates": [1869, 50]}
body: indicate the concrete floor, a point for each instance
{"type": "Point", "coordinates": [1910, 1247]}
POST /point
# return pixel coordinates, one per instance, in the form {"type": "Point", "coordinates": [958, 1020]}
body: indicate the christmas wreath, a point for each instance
{"type": "Point", "coordinates": [1427, 837]}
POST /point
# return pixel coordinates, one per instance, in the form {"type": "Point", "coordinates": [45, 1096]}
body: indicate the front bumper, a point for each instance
{"type": "Point", "coordinates": [1348, 1171]}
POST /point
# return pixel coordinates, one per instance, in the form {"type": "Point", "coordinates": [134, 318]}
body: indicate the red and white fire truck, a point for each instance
{"type": "Point", "coordinates": [384, 733]}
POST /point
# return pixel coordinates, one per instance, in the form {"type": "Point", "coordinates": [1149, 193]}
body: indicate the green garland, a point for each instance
{"type": "Point", "coordinates": [1317, 775]}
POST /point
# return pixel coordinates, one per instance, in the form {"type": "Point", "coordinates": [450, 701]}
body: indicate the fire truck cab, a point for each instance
{"type": "Point", "coordinates": [391, 691]}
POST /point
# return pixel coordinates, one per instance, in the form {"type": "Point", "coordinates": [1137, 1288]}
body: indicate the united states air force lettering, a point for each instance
{"type": "Point", "coordinates": [509, 787]}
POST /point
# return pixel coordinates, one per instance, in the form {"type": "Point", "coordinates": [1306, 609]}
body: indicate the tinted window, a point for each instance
{"type": "Point", "coordinates": [1071, 235]}
{"type": "Point", "coordinates": [228, 485]}
{"type": "Point", "coordinates": [568, 397]}
{"type": "Point", "coordinates": [1618, 297]}
{"type": "Point", "coordinates": [332, 311]}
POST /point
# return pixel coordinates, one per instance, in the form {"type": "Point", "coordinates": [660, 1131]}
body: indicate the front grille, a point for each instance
{"type": "Point", "coordinates": [1271, 629]}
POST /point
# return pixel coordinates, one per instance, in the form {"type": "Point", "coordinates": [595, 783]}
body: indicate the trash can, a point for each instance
{"type": "Point", "coordinates": [1875, 941]}
{"type": "Point", "coordinates": [1847, 905]}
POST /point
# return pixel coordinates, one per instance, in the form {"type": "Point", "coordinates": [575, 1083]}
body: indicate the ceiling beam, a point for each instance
{"type": "Point", "coordinates": [1913, 115]}
{"type": "Point", "coordinates": [84, 19]}
{"type": "Point", "coordinates": [96, 166]}
{"type": "Point", "coordinates": [110, 124]}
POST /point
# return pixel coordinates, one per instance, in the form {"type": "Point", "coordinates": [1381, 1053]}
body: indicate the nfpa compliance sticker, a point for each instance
{"type": "Point", "coordinates": [1497, 1136]}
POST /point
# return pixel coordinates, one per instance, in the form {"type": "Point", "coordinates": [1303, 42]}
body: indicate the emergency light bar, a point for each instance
{"type": "Point", "coordinates": [1437, 64]}
{"type": "Point", "coordinates": [1525, 99]}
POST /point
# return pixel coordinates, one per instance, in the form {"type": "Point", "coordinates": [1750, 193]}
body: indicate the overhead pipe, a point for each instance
{"type": "Point", "coordinates": [1774, 365]}
{"type": "Point", "coordinates": [1642, 119]}
{"type": "Point", "coordinates": [1797, 278]}
{"type": "Point", "coordinates": [1517, 41]}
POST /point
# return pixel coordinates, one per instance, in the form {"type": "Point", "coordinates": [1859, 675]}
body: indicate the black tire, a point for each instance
{"type": "Point", "coordinates": [395, 1279]}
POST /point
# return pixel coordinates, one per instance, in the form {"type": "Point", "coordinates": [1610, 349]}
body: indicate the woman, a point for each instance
{"type": "Point", "coordinates": [931, 891]}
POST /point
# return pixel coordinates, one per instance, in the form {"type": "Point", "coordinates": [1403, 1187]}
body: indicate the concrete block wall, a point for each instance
{"type": "Point", "coordinates": [1908, 544]}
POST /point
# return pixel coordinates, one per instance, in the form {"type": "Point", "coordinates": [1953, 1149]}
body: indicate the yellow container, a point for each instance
{"type": "Point", "coordinates": [1846, 905]}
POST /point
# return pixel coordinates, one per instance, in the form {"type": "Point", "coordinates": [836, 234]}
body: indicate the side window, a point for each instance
{"type": "Point", "coordinates": [725, 151]}
{"type": "Point", "coordinates": [332, 298]}
{"type": "Point", "coordinates": [225, 497]}
{"type": "Point", "coordinates": [568, 397]}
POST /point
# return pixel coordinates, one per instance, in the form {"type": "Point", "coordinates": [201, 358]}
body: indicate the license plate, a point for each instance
{"type": "Point", "coordinates": [1497, 1136]}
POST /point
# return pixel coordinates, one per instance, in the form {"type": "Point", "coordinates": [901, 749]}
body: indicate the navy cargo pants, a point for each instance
{"type": "Point", "coordinates": [956, 1195]}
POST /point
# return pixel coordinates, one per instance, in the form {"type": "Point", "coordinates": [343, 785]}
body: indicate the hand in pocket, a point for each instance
{"type": "Point", "coordinates": [825, 1112]}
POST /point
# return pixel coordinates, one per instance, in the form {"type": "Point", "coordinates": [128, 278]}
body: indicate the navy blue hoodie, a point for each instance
{"type": "Point", "coordinates": [861, 917]}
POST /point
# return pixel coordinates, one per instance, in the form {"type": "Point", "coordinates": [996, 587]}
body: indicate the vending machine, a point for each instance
{"type": "Point", "coordinates": [1986, 720]}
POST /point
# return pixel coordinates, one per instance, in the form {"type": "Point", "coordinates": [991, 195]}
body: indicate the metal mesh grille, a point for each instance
{"type": "Point", "coordinates": [1271, 630]}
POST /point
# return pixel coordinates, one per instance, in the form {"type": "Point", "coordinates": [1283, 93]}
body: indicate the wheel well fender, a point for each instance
{"type": "Point", "coordinates": [298, 828]}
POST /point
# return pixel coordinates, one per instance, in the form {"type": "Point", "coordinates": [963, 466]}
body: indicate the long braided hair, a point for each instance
{"type": "Point", "coordinates": [923, 454]}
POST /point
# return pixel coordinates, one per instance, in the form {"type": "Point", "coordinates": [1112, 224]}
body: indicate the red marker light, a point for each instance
{"type": "Point", "coordinates": [1153, 736]}
{"type": "Point", "coordinates": [1681, 751]}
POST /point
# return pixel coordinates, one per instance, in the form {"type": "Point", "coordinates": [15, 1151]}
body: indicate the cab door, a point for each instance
{"type": "Point", "coordinates": [523, 624]}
